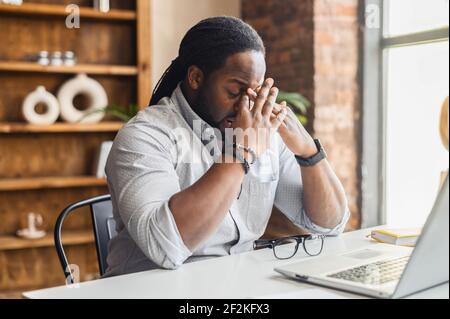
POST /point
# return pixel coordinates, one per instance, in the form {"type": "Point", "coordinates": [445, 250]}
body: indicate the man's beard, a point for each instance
{"type": "Point", "coordinates": [203, 109]}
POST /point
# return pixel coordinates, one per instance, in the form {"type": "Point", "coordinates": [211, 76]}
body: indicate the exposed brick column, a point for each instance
{"type": "Point", "coordinates": [336, 96]}
{"type": "Point", "coordinates": [312, 48]}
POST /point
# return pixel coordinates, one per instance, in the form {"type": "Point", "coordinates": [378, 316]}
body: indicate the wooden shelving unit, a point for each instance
{"type": "Point", "coordinates": [69, 238]}
{"type": "Point", "coordinates": [114, 49]}
{"type": "Point", "coordinates": [9, 185]}
{"type": "Point", "coordinates": [32, 67]}
{"type": "Point", "coordinates": [21, 128]}
{"type": "Point", "coordinates": [37, 9]}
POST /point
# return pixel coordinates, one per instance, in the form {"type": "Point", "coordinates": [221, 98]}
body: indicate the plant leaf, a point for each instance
{"type": "Point", "coordinates": [113, 110]}
{"type": "Point", "coordinates": [297, 101]}
{"type": "Point", "coordinates": [303, 119]}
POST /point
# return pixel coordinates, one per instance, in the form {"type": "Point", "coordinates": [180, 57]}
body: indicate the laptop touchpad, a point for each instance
{"type": "Point", "coordinates": [364, 254]}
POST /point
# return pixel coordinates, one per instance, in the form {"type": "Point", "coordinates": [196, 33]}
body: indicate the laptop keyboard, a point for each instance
{"type": "Point", "coordinates": [377, 273]}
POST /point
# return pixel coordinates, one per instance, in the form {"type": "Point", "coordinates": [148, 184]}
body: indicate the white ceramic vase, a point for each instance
{"type": "Point", "coordinates": [40, 95]}
{"type": "Point", "coordinates": [82, 85]}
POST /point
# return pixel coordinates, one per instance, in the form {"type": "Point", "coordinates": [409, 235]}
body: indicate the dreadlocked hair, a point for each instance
{"type": "Point", "coordinates": [207, 45]}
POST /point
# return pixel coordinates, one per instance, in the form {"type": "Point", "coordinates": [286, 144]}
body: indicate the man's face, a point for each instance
{"type": "Point", "coordinates": [218, 99]}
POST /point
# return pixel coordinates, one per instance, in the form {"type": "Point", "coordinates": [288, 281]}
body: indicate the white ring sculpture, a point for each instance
{"type": "Point", "coordinates": [82, 85]}
{"type": "Point", "coordinates": [40, 95]}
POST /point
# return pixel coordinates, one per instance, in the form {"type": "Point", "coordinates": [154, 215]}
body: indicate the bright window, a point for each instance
{"type": "Point", "coordinates": [411, 16]}
{"type": "Point", "coordinates": [417, 83]}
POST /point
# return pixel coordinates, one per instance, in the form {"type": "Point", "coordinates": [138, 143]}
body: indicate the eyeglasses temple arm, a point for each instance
{"type": "Point", "coordinates": [262, 244]}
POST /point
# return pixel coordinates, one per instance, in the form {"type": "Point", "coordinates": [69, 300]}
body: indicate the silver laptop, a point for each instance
{"type": "Point", "coordinates": [386, 271]}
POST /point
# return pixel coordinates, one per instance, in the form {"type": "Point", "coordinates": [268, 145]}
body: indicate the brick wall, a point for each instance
{"type": "Point", "coordinates": [287, 29]}
{"type": "Point", "coordinates": [312, 48]}
{"type": "Point", "coordinates": [336, 98]}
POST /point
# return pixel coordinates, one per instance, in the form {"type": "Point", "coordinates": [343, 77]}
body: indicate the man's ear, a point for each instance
{"type": "Point", "coordinates": [195, 77]}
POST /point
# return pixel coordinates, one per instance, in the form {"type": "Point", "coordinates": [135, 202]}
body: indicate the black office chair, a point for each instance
{"type": "Point", "coordinates": [104, 231]}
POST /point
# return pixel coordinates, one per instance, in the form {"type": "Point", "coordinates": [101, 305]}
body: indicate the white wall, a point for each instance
{"type": "Point", "coordinates": [171, 19]}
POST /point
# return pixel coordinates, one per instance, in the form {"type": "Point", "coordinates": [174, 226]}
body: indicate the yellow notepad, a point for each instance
{"type": "Point", "coordinates": [400, 237]}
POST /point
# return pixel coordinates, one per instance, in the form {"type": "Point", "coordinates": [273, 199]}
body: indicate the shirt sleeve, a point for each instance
{"type": "Point", "coordinates": [289, 196]}
{"type": "Point", "coordinates": [142, 179]}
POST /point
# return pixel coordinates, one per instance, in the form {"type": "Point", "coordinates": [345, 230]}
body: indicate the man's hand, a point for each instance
{"type": "Point", "coordinates": [293, 133]}
{"type": "Point", "coordinates": [295, 136]}
{"type": "Point", "coordinates": [259, 123]}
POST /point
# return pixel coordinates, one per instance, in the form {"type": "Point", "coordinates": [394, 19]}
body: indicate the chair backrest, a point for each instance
{"type": "Point", "coordinates": [104, 230]}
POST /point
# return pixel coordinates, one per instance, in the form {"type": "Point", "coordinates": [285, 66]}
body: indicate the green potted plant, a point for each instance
{"type": "Point", "coordinates": [123, 113]}
{"type": "Point", "coordinates": [298, 103]}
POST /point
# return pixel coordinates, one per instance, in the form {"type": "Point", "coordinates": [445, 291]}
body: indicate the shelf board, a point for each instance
{"type": "Point", "coordinates": [19, 184]}
{"type": "Point", "coordinates": [92, 69]}
{"type": "Point", "coordinates": [37, 9]}
{"type": "Point", "coordinates": [69, 238]}
{"type": "Point", "coordinates": [22, 128]}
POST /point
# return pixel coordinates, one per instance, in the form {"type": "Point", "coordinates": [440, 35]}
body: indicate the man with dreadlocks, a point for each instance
{"type": "Point", "coordinates": [174, 202]}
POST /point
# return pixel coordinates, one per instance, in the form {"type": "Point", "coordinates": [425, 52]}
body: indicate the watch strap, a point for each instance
{"type": "Point", "coordinates": [315, 159]}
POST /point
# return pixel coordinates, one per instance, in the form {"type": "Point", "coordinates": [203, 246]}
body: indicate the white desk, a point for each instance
{"type": "Point", "coordinates": [248, 275]}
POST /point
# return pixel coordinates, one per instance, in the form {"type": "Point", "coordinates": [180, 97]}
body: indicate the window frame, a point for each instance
{"type": "Point", "coordinates": [374, 66]}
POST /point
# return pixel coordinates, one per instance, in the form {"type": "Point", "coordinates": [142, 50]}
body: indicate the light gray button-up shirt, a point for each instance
{"type": "Point", "coordinates": [160, 153]}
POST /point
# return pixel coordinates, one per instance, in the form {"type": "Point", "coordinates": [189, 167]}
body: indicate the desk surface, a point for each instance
{"type": "Point", "coordinates": [248, 275]}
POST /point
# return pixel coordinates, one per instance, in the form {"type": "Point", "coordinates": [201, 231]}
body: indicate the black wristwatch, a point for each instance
{"type": "Point", "coordinates": [314, 160]}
